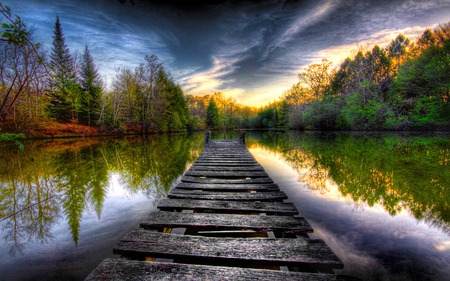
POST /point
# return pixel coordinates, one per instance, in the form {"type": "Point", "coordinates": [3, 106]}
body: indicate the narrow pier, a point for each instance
{"type": "Point", "coordinates": [225, 220]}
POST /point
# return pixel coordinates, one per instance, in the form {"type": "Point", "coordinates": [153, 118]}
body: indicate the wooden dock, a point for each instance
{"type": "Point", "coordinates": [225, 220]}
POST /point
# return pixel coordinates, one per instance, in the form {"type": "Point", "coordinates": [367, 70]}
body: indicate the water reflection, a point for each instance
{"type": "Point", "coordinates": [399, 172]}
{"type": "Point", "coordinates": [62, 178]}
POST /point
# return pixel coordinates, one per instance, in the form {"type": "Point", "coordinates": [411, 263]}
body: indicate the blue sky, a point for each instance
{"type": "Point", "coordinates": [249, 50]}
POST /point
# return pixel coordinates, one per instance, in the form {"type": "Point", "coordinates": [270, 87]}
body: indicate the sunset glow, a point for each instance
{"type": "Point", "coordinates": [251, 52]}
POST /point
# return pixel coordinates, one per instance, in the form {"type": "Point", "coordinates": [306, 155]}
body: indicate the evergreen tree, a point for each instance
{"type": "Point", "coordinates": [212, 114]}
{"type": "Point", "coordinates": [91, 89]}
{"type": "Point", "coordinates": [64, 97]}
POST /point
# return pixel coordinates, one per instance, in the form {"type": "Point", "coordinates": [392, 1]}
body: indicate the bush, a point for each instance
{"type": "Point", "coordinates": [14, 138]}
{"type": "Point", "coordinates": [369, 116]}
{"type": "Point", "coordinates": [323, 114]}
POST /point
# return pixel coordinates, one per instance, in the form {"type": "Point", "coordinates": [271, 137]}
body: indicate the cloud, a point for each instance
{"type": "Point", "coordinates": [336, 54]}
{"type": "Point", "coordinates": [209, 81]}
{"type": "Point", "coordinates": [247, 50]}
{"type": "Point", "coordinates": [299, 24]}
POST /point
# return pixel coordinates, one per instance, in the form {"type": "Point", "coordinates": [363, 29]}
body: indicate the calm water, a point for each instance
{"type": "Point", "coordinates": [380, 201]}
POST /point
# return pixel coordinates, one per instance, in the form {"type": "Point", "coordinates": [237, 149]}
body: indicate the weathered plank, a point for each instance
{"type": "Point", "coordinates": [279, 208]}
{"type": "Point", "coordinates": [232, 196]}
{"type": "Point", "coordinates": [230, 164]}
{"type": "Point", "coordinates": [228, 187]}
{"type": "Point", "coordinates": [225, 168]}
{"type": "Point", "coordinates": [224, 161]}
{"type": "Point", "coordinates": [229, 154]}
{"type": "Point", "coordinates": [277, 251]}
{"type": "Point", "coordinates": [226, 181]}
{"type": "Point", "coordinates": [121, 269]}
{"type": "Point", "coordinates": [222, 221]}
{"type": "Point", "coordinates": [227, 174]}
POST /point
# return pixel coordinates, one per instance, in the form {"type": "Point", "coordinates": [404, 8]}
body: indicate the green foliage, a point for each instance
{"type": "Point", "coordinates": [91, 89]}
{"type": "Point", "coordinates": [69, 177]}
{"type": "Point", "coordinates": [65, 102]}
{"type": "Point", "coordinates": [323, 114]}
{"type": "Point", "coordinates": [146, 100]}
{"type": "Point", "coordinates": [398, 46]}
{"type": "Point", "coordinates": [425, 84]}
{"type": "Point", "coordinates": [212, 114]}
{"type": "Point", "coordinates": [14, 32]}
{"type": "Point", "coordinates": [397, 172]}
{"type": "Point", "coordinates": [266, 118]}
{"type": "Point", "coordinates": [66, 93]}
{"type": "Point", "coordinates": [13, 138]}
{"type": "Point", "coordinates": [403, 86]}
{"type": "Point", "coordinates": [22, 70]}
{"type": "Point", "coordinates": [371, 115]}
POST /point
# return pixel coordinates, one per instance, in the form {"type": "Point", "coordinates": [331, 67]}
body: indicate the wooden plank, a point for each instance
{"type": "Point", "coordinates": [224, 161]}
{"type": "Point", "coordinates": [228, 187]}
{"type": "Point", "coordinates": [197, 167]}
{"type": "Point", "coordinates": [237, 154]}
{"type": "Point", "coordinates": [279, 208]}
{"type": "Point", "coordinates": [228, 154]}
{"type": "Point", "coordinates": [232, 196]}
{"type": "Point", "coordinates": [227, 174]}
{"type": "Point", "coordinates": [221, 221]}
{"type": "Point", "coordinates": [230, 164]}
{"type": "Point", "coordinates": [226, 181]}
{"type": "Point", "coordinates": [122, 269]}
{"type": "Point", "coordinates": [278, 251]}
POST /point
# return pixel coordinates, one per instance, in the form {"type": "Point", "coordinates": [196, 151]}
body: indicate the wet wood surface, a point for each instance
{"type": "Point", "coordinates": [225, 211]}
{"type": "Point", "coordinates": [225, 221]}
{"type": "Point", "coordinates": [121, 269]}
{"type": "Point", "coordinates": [227, 174]}
{"type": "Point", "coordinates": [233, 196]}
{"type": "Point", "coordinates": [226, 168]}
{"type": "Point", "coordinates": [279, 208]}
{"type": "Point", "coordinates": [277, 251]}
{"type": "Point", "coordinates": [228, 187]}
{"type": "Point", "coordinates": [214, 181]}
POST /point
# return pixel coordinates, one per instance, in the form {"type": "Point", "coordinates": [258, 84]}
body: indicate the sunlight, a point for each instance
{"type": "Point", "coordinates": [115, 188]}
{"type": "Point", "coordinates": [339, 53]}
{"type": "Point", "coordinates": [444, 246]}
{"type": "Point", "coordinates": [209, 81]}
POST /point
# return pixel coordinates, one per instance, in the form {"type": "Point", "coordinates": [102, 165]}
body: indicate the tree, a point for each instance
{"type": "Point", "coordinates": [212, 114]}
{"type": "Point", "coordinates": [152, 79]}
{"type": "Point", "coordinates": [146, 100]}
{"type": "Point", "coordinates": [21, 66]}
{"type": "Point", "coordinates": [318, 77]}
{"type": "Point", "coordinates": [64, 103]}
{"type": "Point", "coordinates": [398, 46]}
{"type": "Point", "coordinates": [424, 85]}
{"type": "Point", "coordinates": [91, 89]}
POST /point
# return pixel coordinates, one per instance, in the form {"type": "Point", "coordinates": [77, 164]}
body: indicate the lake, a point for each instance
{"type": "Point", "coordinates": [379, 200]}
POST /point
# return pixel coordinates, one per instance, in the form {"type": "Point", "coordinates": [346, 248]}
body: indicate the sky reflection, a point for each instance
{"type": "Point", "coordinates": [372, 243]}
{"type": "Point", "coordinates": [65, 203]}
{"type": "Point", "coordinates": [59, 258]}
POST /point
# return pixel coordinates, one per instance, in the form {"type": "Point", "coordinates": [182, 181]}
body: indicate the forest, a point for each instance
{"type": "Point", "coordinates": [56, 92]}
{"type": "Point", "coordinates": [404, 86]}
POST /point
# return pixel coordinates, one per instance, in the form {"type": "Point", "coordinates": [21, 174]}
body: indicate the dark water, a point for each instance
{"type": "Point", "coordinates": [65, 203]}
{"type": "Point", "coordinates": [380, 201]}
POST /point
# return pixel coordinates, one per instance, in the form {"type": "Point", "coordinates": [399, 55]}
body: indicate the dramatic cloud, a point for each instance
{"type": "Point", "coordinates": [251, 51]}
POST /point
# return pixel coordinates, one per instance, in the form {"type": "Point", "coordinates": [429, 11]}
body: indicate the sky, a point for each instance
{"type": "Point", "coordinates": [249, 50]}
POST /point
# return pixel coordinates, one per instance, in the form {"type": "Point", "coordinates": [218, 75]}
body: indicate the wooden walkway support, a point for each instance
{"type": "Point", "coordinates": [225, 220]}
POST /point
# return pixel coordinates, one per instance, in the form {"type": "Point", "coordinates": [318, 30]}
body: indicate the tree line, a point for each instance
{"type": "Point", "coordinates": [219, 112]}
{"type": "Point", "coordinates": [400, 87]}
{"type": "Point", "coordinates": [403, 86]}
{"type": "Point", "coordinates": [39, 87]}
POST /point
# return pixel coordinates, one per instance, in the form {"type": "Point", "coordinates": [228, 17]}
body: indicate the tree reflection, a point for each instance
{"type": "Point", "coordinates": [63, 179]}
{"type": "Point", "coordinates": [397, 172]}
